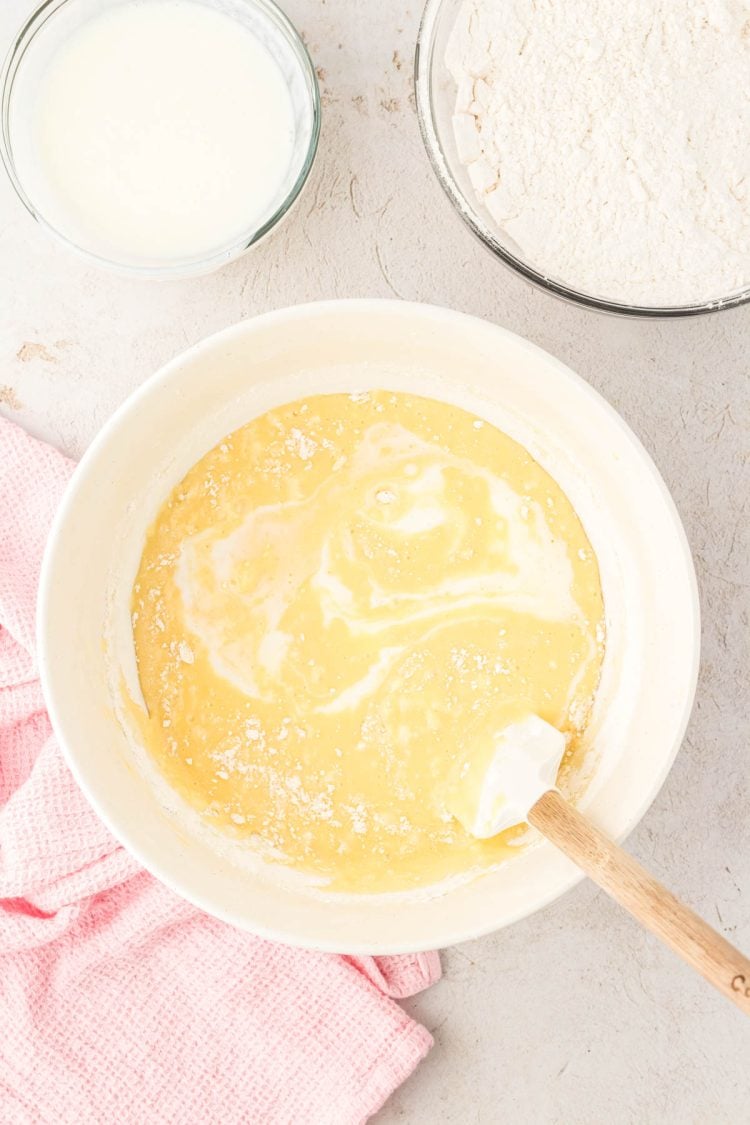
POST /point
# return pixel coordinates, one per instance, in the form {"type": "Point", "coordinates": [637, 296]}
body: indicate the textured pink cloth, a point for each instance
{"type": "Point", "coordinates": [119, 1002]}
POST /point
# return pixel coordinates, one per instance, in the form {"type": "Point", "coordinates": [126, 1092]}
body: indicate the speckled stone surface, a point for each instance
{"type": "Point", "coordinates": [573, 1016]}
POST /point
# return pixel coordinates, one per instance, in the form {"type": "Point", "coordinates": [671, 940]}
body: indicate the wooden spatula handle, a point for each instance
{"type": "Point", "coordinates": [652, 904]}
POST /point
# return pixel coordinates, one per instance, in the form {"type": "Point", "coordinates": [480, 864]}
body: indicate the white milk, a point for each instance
{"type": "Point", "coordinates": [157, 131]}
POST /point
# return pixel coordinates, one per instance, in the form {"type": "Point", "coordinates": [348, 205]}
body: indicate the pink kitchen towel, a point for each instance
{"type": "Point", "coordinates": [119, 1002]}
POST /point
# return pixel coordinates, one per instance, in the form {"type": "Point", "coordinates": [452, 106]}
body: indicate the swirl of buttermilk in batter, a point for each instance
{"type": "Point", "coordinates": [335, 605]}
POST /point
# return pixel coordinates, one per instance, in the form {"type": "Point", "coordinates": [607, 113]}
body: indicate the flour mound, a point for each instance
{"type": "Point", "coordinates": [611, 141]}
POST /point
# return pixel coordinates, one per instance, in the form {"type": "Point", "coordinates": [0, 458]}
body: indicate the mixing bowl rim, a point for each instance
{"type": "Point", "coordinates": [450, 934]}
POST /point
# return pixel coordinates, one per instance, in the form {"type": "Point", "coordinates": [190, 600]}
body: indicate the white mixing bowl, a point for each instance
{"type": "Point", "coordinates": [85, 641]}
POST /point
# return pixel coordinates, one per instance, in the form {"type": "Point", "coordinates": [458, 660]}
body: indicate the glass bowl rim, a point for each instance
{"type": "Point", "coordinates": [179, 267]}
{"type": "Point", "coordinates": [423, 67]}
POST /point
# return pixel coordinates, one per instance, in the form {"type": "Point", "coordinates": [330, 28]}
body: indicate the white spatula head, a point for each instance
{"type": "Point", "coordinates": [498, 785]}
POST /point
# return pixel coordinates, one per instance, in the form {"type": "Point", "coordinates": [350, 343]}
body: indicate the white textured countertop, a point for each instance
{"type": "Point", "coordinates": [574, 1015]}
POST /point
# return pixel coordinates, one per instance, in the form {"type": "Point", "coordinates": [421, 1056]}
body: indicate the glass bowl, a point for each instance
{"type": "Point", "coordinates": [54, 20]}
{"type": "Point", "coordinates": [436, 97]}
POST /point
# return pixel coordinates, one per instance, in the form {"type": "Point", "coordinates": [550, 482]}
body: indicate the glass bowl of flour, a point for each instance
{"type": "Point", "coordinates": [160, 138]}
{"type": "Point", "coordinates": [602, 151]}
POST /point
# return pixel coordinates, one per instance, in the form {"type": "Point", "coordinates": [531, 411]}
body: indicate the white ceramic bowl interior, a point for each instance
{"type": "Point", "coordinates": [86, 648]}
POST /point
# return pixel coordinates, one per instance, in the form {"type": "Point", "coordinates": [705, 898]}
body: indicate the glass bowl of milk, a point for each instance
{"type": "Point", "coordinates": [161, 138]}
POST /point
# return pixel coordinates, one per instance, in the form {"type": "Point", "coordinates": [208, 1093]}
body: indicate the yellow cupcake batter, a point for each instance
{"type": "Point", "coordinates": [335, 605]}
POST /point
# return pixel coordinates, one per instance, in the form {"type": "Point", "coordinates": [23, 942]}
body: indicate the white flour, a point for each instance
{"type": "Point", "coordinates": [610, 140]}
